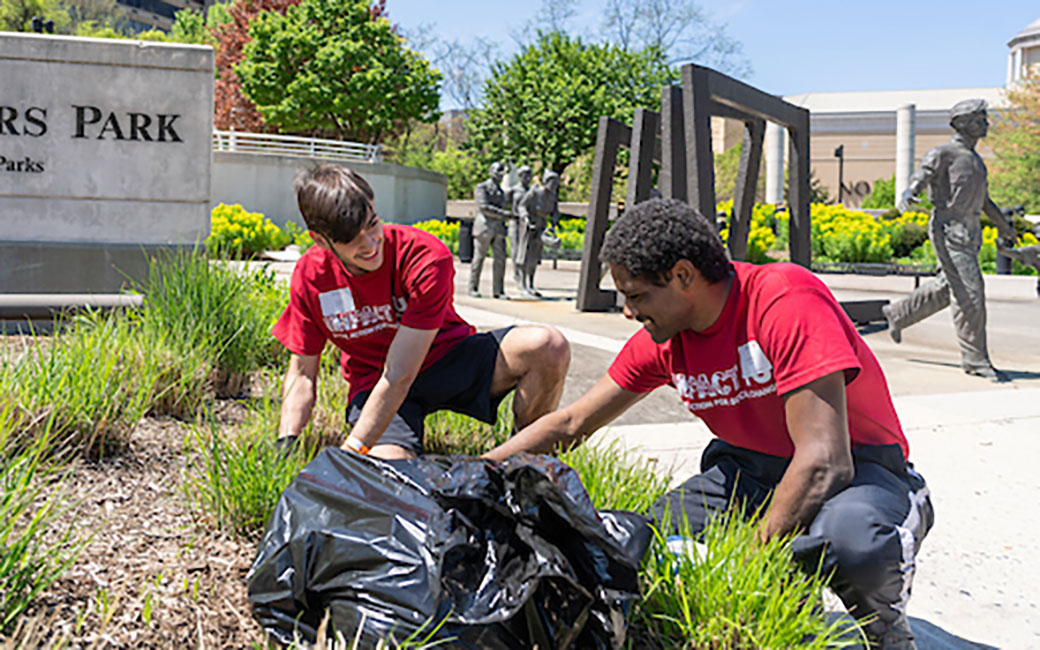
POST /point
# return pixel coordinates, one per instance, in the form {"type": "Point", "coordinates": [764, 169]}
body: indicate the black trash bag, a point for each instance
{"type": "Point", "coordinates": [500, 555]}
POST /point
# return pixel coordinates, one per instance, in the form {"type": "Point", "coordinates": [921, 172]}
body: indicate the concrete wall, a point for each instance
{"type": "Point", "coordinates": [263, 183]}
{"type": "Point", "coordinates": [105, 145]}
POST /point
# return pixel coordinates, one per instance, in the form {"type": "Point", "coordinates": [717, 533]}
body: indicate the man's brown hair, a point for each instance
{"type": "Point", "coordinates": [334, 201]}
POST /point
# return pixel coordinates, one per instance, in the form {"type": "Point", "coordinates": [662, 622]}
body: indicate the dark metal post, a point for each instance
{"type": "Point", "coordinates": [798, 190]}
{"type": "Point", "coordinates": [672, 179]}
{"type": "Point", "coordinates": [641, 156]}
{"type": "Point", "coordinates": [747, 183]}
{"type": "Point", "coordinates": [700, 164]}
{"type": "Point", "coordinates": [839, 153]}
{"type": "Point", "coordinates": [609, 137]}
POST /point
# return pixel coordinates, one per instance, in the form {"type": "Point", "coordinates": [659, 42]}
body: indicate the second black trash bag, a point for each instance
{"type": "Point", "coordinates": [508, 555]}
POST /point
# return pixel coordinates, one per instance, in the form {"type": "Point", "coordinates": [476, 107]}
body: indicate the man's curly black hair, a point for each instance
{"type": "Point", "coordinates": [651, 237]}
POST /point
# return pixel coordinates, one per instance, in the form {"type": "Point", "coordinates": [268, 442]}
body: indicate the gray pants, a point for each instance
{"type": "Point", "coordinates": [498, 269]}
{"type": "Point", "coordinates": [960, 279]}
{"type": "Point", "coordinates": [868, 534]}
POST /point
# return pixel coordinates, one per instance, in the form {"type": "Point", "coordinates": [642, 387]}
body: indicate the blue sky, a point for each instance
{"type": "Point", "coordinates": [801, 45]}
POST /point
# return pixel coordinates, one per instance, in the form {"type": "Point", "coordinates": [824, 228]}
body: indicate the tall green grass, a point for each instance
{"type": "Point", "coordinates": [234, 478]}
{"type": "Point", "coordinates": [31, 499]}
{"type": "Point", "coordinates": [737, 593]}
{"type": "Point", "coordinates": [212, 306]}
{"type": "Point", "coordinates": [448, 432]}
{"type": "Point", "coordinates": [91, 385]}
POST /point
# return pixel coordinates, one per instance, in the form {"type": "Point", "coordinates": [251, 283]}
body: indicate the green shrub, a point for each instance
{"type": "Point", "coordinates": [883, 197]}
{"type": "Point", "coordinates": [239, 234]}
{"type": "Point", "coordinates": [301, 237]}
{"type": "Point", "coordinates": [843, 235]}
{"type": "Point", "coordinates": [762, 236]}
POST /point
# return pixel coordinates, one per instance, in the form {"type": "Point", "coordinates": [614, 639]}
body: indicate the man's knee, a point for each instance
{"type": "Point", "coordinates": [865, 549]}
{"type": "Point", "coordinates": [544, 346]}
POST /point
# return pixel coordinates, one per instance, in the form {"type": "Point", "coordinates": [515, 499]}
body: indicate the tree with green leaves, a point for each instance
{"type": "Point", "coordinates": [1015, 138]}
{"type": "Point", "coordinates": [543, 105]}
{"type": "Point", "coordinates": [336, 68]}
{"type": "Point", "coordinates": [17, 15]}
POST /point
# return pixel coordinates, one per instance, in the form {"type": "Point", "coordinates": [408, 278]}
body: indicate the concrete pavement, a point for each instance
{"type": "Point", "coordinates": [977, 443]}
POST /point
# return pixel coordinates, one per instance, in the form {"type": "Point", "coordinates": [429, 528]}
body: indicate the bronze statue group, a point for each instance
{"type": "Point", "coordinates": [527, 215]}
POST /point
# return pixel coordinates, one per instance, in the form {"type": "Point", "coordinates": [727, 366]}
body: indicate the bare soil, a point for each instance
{"type": "Point", "coordinates": [152, 574]}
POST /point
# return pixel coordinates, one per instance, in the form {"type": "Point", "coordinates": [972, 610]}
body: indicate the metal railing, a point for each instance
{"type": "Point", "coordinates": [289, 145]}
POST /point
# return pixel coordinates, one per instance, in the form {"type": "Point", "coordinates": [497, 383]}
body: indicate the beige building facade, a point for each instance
{"type": "Point", "coordinates": [864, 125]}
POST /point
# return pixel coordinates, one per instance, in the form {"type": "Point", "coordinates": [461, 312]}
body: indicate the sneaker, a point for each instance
{"type": "Point", "coordinates": [897, 636]}
{"type": "Point", "coordinates": [473, 293]}
{"type": "Point", "coordinates": [683, 547]}
{"type": "Point", "coordinates": [895, 332]}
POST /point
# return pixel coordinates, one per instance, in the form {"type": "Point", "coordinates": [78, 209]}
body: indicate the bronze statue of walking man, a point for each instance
{"type": "Point", "coordinates": [956, 180]}
{"type": "Point", "coordinates": [489, 229]}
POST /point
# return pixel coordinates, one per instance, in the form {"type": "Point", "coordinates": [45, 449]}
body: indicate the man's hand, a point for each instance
{"type": "Point", "coordinates": [299, 392]}
{"type": "Point", "coordinates": [822, 463]}
{"type": "Point", "coordinates": [908, 199]}
{"type": "Point", "coordinates": [403, 361]}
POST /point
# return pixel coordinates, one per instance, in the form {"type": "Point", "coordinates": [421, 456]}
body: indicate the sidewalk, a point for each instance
{"type": "Point", "coordinates": [976, 443]}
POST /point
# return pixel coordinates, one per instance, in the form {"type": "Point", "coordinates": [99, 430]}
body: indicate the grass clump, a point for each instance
{"type": "Point", "coordinates": [613, 480]}
{"type": "Point", "coordinates": [30, 501]}
{"type": "Point", "coordinates": [448, 432]}
{"type": "Point", "coordinates": [90, 386]}
{"type": "Point", "coordinates": [200, 305]}
{"type": "Point", "coordinates": [235, 477]}
{"type": "Point", "coordinates": [737, 593]}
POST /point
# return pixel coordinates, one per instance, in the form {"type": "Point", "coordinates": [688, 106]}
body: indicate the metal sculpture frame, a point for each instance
{"type": "Point", "coordinates": [678, 138]}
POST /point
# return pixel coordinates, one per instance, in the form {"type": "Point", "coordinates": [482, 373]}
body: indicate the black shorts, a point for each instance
{"type": "Point", "coordinates": [459, 381]}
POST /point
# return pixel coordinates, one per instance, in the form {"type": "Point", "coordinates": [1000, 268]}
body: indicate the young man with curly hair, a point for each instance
{"type": "Point", "coordinates": [806, 433]}
{"type": "Point", "coordinates": [383, 294]}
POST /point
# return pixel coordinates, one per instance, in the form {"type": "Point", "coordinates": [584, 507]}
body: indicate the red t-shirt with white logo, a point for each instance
{"type": "Point", "coordinates": [780, 329]}
{"type": "Point", "coordinates": [360, 314]}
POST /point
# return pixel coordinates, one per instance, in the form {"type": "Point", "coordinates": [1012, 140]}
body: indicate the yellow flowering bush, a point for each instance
{"type": "Point", "coordinates": [238, 233]}
{"type": "Point", "coordinates": [843, 235]}
{"type": "Point", "coordinates": [988, 253]}
{"type": "Point", "coordinates": [442, 230]}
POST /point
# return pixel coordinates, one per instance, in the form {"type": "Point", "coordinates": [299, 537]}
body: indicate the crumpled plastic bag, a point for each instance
{"type": "Point", "coordinates": [500, 555]}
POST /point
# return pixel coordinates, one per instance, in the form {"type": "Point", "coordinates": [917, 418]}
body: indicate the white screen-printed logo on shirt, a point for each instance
{"type": "Point", "coordinates": [335, 308]}
{"type": "Point", "coordinates": [754, 366]}
{"type": "Point", "coordinates": [725, 387]}
{"type": "Point", "coordinates": [342, 316]}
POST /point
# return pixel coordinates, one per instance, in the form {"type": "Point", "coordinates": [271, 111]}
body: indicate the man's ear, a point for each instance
{"type": "Point", "coordinates": [319, 241]}
{"type": "Point", "coordinates": [684, 273]}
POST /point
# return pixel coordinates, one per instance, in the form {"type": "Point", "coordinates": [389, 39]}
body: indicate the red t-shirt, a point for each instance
{"type": "Point", "coordinates": [780, 329]}
{"type": "Point", "coordinates": [360, 314]}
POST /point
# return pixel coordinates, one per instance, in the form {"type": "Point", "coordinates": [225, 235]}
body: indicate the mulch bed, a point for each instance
{"type": "Point", "coordinates": [152, 574]}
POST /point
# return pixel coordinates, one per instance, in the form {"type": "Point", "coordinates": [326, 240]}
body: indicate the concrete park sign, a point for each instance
{"type": "Point", "coordinates": [105, 153]}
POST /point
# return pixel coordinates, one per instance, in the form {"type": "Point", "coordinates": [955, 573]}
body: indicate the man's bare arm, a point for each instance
{"type": "Point", "coordinates": [299, 392]}
{"type": "Point", "coordinates": [822, 463]}
{"type": "Point", "coordinates": [569, 426]}
{"type": "Point", "coordinates": [403, 361]}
